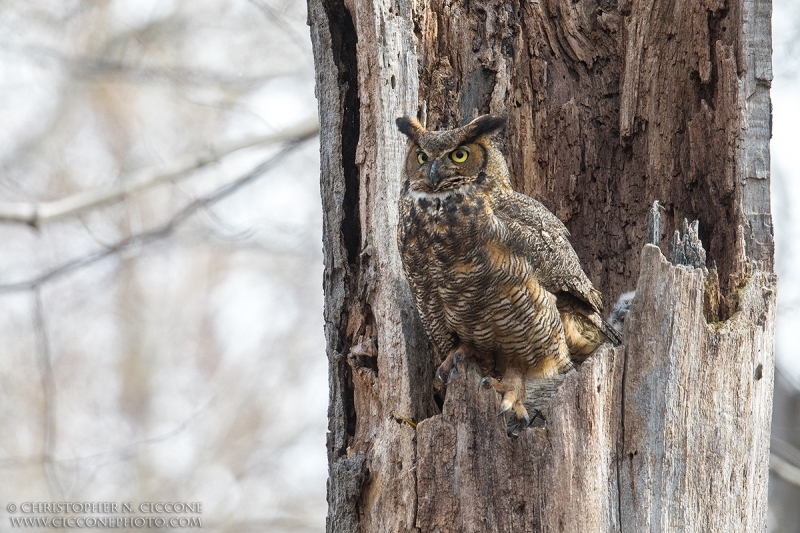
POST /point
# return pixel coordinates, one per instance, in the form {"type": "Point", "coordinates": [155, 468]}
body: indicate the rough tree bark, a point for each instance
{"type": "Point", "coordinates": [611, 105]}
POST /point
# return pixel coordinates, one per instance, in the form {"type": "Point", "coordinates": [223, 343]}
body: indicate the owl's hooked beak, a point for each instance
{"type": "Point", "coordinates": [434, 174]}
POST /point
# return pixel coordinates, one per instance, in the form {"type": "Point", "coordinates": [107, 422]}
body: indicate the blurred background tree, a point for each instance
{"type": "Point", "coordinates": [784, 481]}
{"type": "Point", "coordinates": [160, 282]}
{"type": "Point", "coordinates": [162, 328]}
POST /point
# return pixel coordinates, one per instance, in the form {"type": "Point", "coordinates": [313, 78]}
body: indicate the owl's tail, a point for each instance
{"type": "Point", "coordinates": [584, 328]}
{"type": "Point", "coordinates": [610, 332]}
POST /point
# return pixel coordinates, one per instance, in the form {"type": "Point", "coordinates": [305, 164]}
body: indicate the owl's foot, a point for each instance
{"type": "Point", "coordinates": [512, 387]}
{"type": "Point", "coordinates": [515, 425]}
{"type": "Point", "coordinates": [449, 366]}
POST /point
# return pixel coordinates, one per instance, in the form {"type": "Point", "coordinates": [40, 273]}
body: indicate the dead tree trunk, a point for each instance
{"type": "Point", "coordinates": [611, 105]}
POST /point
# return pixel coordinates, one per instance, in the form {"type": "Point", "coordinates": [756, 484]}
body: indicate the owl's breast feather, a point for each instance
{"type": "Point", "coordinates": [445, 237]}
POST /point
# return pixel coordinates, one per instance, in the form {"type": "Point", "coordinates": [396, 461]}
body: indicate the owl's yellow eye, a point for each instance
{"type": "Point", "coordinates": [422, 158]}
{"type": "Point", "coordinates": [459, 156]}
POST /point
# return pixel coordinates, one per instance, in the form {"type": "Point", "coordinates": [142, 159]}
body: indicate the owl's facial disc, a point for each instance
{"type": "Point", "coordinates": [445, 161]}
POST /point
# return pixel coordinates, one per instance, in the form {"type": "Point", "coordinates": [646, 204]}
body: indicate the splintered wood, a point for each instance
{"type": "Point", "coordinates": [696, 404]}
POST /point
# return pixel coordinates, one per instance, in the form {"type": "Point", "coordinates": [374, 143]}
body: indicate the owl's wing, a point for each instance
{"type": "Point", "coordinates": [541, 237]}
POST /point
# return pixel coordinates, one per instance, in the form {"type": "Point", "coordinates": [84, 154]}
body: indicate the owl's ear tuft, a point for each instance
{"type": "Point", "coordinates": [486, 124]}
{"type": "Point", "coordinates": [409, 126]}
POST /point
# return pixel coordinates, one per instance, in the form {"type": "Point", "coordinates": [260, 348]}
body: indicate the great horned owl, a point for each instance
{"type": "Point", "coordinates": [491, 270]}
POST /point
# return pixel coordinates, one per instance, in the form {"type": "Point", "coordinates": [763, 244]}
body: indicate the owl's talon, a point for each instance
{"type": "Point", "coordinates": [485, 383]}
{"type": "Point", "coordinates": [445, 369]}
{"type": "Point", "coordinates": [448, 366]}
{"type": "Point", "coordinates": [454, 371]}
{"type": "Point", "coordinates": [522, 414]}
{"type": "Point", "coordinates": [508, 403]}
{"type": "Point", "coordinates": [453, 374]}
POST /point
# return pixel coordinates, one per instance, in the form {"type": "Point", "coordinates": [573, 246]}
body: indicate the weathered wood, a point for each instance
{"type": "Point", "coordinates": [611, 106]}
{"type": "Point", "coordinates": [696, 405]}
{"type": "Point", "coordinates": [472, 477]}
{"type": "Point", "coordinates": [377, 349]}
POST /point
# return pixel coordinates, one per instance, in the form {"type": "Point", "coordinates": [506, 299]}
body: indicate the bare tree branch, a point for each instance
{"type": "Point", "coordinates": [35, 214]}
{"type": "Point", "coordinates": [49, 394]}
{"type": "Point", "coordinates": [123, 452]}
{"type": "Point", "coordinates": [86, 67]}
{"type": "Point", "coordinates": [784, 460]}
{"type": "Point", "coordinates": [276, 18]}
{"type": "Point", "coordinates": [784, 469]}
{"type": "Point", "coordinates": [160, 232]}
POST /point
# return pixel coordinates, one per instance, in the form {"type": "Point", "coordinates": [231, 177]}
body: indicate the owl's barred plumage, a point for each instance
{"type": "Point", "coordinates": [491, 270]}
